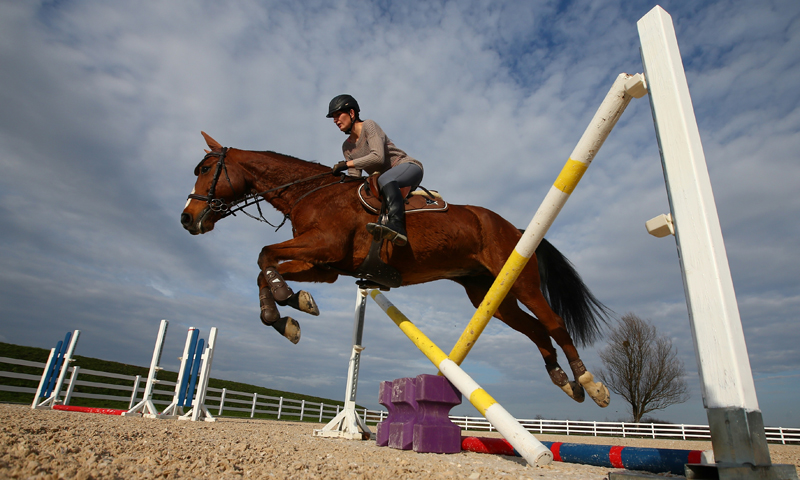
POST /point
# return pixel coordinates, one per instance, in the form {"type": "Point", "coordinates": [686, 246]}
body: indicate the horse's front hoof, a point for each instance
{"type": "Point", "coordinates": [306, 303]}
{"type": "Point", "coordinates": [289, 328]}
{"type": "Point", "coordinates": [302, 301]}
{"type": "Point", "coordinates": [596, 390]}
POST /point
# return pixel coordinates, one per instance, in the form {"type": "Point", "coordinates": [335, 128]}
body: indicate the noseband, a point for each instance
{"type": "Point", "coordinates": [215, 204]}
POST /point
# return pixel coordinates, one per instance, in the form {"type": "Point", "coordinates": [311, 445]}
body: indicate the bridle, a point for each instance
{"type": "Point", "coordinates": [215, 204]}
{"type": "Point", "coordinates": [225, 209]}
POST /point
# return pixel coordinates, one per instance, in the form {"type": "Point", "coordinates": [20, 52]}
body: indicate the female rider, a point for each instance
{"type": "Point", "coordinates": [367, 148]}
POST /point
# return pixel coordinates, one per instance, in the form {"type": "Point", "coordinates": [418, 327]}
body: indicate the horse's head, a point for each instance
{"type": "Point", "coordinates": [220, 181]}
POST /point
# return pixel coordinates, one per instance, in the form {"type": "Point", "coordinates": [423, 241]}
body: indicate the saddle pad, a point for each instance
{"type": "Point", "coordinates": [417, 202]}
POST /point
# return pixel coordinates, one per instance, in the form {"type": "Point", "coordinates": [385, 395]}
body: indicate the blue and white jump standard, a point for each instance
{"type": "Point", "coordinates": [55, 371]}
{"type": "Point", "coordinates": [195, 369]}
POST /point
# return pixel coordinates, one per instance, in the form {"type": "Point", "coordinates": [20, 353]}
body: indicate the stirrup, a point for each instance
{"type": "Point", "coordinates": [395, 237]}
{"type": "Point", "coordinates": [382, 232]}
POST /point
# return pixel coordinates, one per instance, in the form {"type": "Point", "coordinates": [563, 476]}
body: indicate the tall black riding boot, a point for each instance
{"type": "Point", "coordinates": [395, 228]}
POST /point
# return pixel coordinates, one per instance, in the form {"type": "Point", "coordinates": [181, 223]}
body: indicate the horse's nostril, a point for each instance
{"type": "Point", "coordinates": [186, 219]}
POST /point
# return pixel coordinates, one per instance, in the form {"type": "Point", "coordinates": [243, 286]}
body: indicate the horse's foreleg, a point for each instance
{"type": "Point", "coordinates": [284, 295]}
{"type": "Point", "coordinates": [298, 271]}
{"type": "Point", "coordinates": [298, 254]}
{"type": "Point", "coordinates": [286, 326]}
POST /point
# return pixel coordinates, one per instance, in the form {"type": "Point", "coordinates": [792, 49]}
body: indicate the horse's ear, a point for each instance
{"type": "Point", "coordinates": [213, 144]}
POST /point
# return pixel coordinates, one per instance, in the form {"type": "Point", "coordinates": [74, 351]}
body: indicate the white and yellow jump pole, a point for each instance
{"type": "Point", "coordinates": [622, 91]}
{"type": "Point", "coordinates": [531, 449]}
{"type": "Point", "coordinates": [534, 452]}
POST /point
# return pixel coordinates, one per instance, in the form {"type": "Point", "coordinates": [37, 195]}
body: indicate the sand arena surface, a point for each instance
{"type": "Point", "coordinates": [51, 444]}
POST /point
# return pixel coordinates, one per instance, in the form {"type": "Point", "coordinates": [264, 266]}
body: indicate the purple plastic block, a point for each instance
{"type": "Point", "coordinates": [433, 431]}
{"type": "Point", "coordinates": [385, 399]}
{"type": "Point", "coordinates": [401, 430]}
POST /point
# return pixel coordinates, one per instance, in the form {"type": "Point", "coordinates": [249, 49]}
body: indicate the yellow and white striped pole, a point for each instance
{"type": "Point", "coordinates": [531, 449]}
{"type": "Point", "coordinates": [622, 91]}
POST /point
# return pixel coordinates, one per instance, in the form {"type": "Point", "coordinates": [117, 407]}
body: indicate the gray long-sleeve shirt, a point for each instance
{"type": "Point", "coordinates": [374, 151]}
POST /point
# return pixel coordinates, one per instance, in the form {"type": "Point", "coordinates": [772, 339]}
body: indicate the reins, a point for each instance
{"type": "Point", "coordinates": [256, 199]}
{"type": "Point", "coordinates": [224, 209]}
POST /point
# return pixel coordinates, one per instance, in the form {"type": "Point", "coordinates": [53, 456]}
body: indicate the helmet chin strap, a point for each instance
{"type": "Point", "coordinates": [352, 124]}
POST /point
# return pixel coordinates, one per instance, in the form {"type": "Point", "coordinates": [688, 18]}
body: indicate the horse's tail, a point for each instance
{"type": "Point", "coordinates": [569, 297]}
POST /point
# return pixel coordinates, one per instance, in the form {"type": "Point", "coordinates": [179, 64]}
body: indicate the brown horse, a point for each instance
{"type": "Point", "coordinates": [465, 244]}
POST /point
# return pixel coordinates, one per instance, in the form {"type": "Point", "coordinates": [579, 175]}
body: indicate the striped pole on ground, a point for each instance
{"type": "Point", "coordinates": [526, 444]}
{"type": "Point", "coordinates": [622, 91]}
{"type": "Point", "coordinates": [655, 460]}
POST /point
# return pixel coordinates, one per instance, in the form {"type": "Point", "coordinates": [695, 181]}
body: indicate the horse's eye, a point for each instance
{"type": "Point", "coordinates": [205, 169]}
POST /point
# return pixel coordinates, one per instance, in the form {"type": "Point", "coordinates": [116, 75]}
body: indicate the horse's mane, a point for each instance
{"type": "Point", "coordinates": [270, 152]}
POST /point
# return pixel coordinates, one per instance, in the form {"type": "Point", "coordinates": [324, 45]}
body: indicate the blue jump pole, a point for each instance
{"type": "Point", "coordinates": [187, 366]}
{"type": "Point", "coordinates": [194, 372]}
{"type": "Point", "coordinates": [655, 460]}
{"type": "Point", "coordinates": [61, 350]}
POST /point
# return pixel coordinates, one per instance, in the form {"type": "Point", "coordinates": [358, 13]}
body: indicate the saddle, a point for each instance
{"type": "Point", "coordinates": [416, 201]}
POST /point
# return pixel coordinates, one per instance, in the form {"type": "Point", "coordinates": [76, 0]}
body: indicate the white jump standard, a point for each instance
{"type": "Point", "coordinates": [729, 395]}
{"type": "Point", "coordinates": [347, 424]}
{"type": "Point", "coordinates": [195, 369]}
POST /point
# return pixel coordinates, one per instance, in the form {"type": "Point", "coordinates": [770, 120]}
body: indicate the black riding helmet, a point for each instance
{"type": "Point", "coordinates": [342, 103]}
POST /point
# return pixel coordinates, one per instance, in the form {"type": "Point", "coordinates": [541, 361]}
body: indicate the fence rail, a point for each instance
{"type": "Point", "coordinates": [225, 400]}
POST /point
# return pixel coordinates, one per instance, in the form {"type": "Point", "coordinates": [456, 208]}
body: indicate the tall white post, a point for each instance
{"type": "Point", "coordinates": [146, 406]}
{"type": "Point", "coordinates": [728, 390]}
{"type": "Point", "coordinates": [347, 423]}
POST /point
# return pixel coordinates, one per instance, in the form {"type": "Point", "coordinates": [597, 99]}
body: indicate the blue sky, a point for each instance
{"type": "Point", "coordinates": [103, 104]}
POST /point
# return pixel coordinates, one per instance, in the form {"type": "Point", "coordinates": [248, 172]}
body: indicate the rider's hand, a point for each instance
{"type": "Point", "coordinates": [339, 167]}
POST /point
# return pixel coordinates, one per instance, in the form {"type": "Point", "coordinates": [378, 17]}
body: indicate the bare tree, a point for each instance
{"type": "Point", "coordinates": [642, 367]}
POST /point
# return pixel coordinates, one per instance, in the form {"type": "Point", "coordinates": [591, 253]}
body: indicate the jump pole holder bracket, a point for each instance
{"type": "Point", "coordinates": [347, 424]}
{"type": "Point", "coordinates": [55, 371]}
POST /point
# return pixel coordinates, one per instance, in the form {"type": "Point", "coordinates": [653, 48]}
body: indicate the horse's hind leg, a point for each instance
{"type": "Point", "coordinates": [526, 289]}
{"type": "Point", "coordinates": [512, 315]}
{"type": "Point", "coordinates": [286, 326]}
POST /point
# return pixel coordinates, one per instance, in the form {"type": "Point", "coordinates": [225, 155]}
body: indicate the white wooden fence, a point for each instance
{"type": "Point", "coordinates": [303, 410]}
